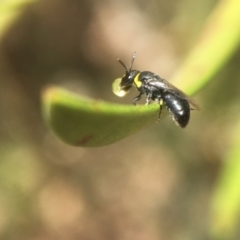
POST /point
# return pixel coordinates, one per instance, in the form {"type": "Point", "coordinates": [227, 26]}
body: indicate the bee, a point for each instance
{"type": "Point", "coordinates": [157, 89]}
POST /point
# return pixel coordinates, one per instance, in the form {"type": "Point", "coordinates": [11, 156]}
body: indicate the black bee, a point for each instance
{"type": "Point", "coordinates": [157, 89]}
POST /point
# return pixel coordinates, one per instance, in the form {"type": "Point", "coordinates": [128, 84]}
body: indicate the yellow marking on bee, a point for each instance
{"type": "Point", "coordinates": [137, 82]}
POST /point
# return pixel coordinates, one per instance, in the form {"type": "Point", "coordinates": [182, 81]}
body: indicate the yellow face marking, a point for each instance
{"type": "Point", "coordinates": [137, 82]}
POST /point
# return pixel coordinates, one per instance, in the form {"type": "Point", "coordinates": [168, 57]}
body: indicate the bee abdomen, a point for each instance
{"type": "Point", "coordinates": [179, 108]}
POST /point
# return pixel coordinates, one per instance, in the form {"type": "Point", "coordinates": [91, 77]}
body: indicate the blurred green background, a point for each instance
{"type": "Point", "coordinates": [161, 183]}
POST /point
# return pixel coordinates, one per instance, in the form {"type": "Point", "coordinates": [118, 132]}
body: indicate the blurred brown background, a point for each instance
{"type": "Point", "coordinates": [155, 184]}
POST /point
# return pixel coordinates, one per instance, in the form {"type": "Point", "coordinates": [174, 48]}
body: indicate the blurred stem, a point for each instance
{"type": "Point", "coordinates": [9, 10]}
{"type": "Point", "coordinates": [225, 207]}
{"type": "Point", "coordinates": [218, 41]}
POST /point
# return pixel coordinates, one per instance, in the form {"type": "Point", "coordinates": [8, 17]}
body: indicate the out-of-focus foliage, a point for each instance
{"type": "Point", "coordinates": [158, 183]}
{"type": "Point", "coordinates": [9, 10]}
{"type": "Point", "coordinates": [226, 197]}
{"type": "Point", "coordinates": [217, 42]}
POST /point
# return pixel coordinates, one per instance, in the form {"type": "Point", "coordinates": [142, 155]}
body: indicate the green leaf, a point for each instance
{"type": "Point", "coordinates": [84, 122]}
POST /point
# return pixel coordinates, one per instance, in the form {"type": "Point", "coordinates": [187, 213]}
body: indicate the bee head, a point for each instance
{"type": "Point", "coordinates": [122, 85]}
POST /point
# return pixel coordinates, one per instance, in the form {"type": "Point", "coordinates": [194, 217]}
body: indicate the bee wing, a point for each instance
{"type": "Point", "coordinates": [167, 86]}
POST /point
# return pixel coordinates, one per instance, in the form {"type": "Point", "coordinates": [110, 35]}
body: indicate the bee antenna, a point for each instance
{"type": "Point", "coordinates": [120, 61]}
{"type": "Point", "coordinates": [133, 58]}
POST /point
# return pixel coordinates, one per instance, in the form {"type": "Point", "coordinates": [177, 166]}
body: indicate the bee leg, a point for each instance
{"type": "Point", "coordinates": [137, 98]}
{"type": "Point", "coordinates": [160, 102]}
{"type": "Point", "coordinates": [148, 98]}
